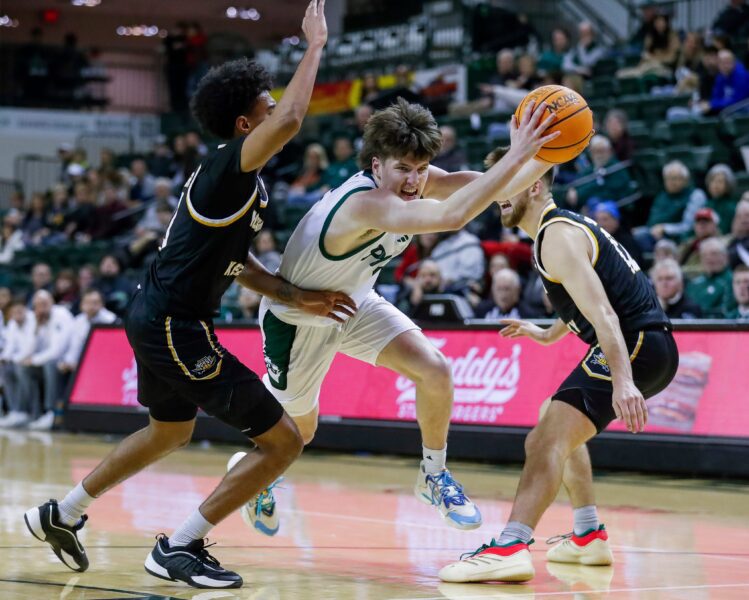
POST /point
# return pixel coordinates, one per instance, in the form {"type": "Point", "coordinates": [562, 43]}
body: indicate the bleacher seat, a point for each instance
{"type": "Point", "coordinates": [696, 158]}
{"type": "Point", "coordinates": [648, 165]}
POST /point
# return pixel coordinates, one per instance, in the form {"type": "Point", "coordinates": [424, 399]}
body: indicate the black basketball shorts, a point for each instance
{"type": "Point", "coordinates": [588, 388]}
{"type": "Point", "coordinates": [183, 367]}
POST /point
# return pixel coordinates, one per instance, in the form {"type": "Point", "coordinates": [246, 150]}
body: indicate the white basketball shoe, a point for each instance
{"type": "Point", "coordinates": [446, 494]}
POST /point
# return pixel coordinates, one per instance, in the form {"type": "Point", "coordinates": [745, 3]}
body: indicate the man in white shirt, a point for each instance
{"type": "Point", "coordinates": [460, 258]}
{"type": "Point", "coordinates": [50, 341]}
{"type": "Point", "coordinates": [92, 312]}
{"type": "Point", "coordinates": [17, 335]}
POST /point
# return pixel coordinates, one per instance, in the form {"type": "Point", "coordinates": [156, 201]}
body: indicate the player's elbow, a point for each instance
{"type": "Point", "coordinates": [290, 121]}
{"type": "Point", "coordinates": [606, 320]}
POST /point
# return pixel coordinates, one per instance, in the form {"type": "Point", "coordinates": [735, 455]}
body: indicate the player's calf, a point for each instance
{"type": "Point", "coordinates": [260, 513]}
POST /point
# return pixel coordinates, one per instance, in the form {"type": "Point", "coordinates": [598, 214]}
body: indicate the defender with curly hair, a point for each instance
{"type": "Point", "coordinates": [181, 364]}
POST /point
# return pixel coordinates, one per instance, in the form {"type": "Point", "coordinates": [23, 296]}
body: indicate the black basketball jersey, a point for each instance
{"type": "Point", "coordinates": [627, 287]}
{"type": "Point", "coordinates": [220, 211]}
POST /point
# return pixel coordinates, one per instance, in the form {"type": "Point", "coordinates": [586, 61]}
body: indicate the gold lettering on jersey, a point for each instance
{"type": "Point", "coordinates": [621, 250]}
{"type": "Point", "coordinates": [234, 269]}
{"type": "Point", "coordinates": [257, 223]}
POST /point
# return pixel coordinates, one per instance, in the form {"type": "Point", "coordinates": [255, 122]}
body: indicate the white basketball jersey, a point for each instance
{"type": "Point", "coordinates": [307, 264]}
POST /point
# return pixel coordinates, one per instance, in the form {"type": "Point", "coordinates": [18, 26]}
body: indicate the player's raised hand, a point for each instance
{"type": "Point", "coordinates": [334, 305]}
{"type": "Point", "coordinates": [630, 407]}
{"type": "Point", "coordinates": [314, 26]}
{"type": "Point", "coordinates": [515, 328]}
{"type": "Point", "coordinates": [528, 136]}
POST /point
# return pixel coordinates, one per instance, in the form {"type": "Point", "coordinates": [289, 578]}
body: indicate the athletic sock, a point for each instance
{"type": "Point", "coordinates": [514, 531]}
{"type": "Point", "coordinates": [434, 460]}
{"type": "Point", "coordinates": [74, 505]}
{"type": "Point", "coordinates": [586, 518]}
{"type": "Point", "coordinates": [194, 528]}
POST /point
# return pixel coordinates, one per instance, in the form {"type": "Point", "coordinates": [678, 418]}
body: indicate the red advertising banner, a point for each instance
{"type": "Point", "coordinates": [497, 381]}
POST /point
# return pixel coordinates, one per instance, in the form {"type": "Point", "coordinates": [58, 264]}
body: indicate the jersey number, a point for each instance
{"type": "Point", "coordinates": [626, 257]}
{"type": "Point", "coordinates": [380, 257]}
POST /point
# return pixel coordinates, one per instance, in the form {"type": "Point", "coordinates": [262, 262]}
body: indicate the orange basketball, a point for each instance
{"type": "Point", "coordinates": [574, 120]}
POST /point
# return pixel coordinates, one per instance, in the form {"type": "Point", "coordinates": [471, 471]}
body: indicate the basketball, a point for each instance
{"type": "Point", "coordinates": [574, 120]}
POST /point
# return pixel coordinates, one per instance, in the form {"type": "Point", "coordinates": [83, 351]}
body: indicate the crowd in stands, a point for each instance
{"type": "Point", "coordinates": [108, 215]}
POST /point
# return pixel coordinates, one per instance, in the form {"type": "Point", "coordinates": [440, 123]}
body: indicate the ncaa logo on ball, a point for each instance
{"type": "Point", "coordinates": [563, 102]}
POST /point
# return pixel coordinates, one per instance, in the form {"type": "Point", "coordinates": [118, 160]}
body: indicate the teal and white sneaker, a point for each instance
{"type": "Point", "coordinates": [259, 513]}
{"type": "Point", "coordinates": [443, 492]}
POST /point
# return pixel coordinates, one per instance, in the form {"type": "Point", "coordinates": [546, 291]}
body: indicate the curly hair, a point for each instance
{"type": "Point", "coordinates": [399, 130]}
{"type": "Point", "coordinates": [227, 91]}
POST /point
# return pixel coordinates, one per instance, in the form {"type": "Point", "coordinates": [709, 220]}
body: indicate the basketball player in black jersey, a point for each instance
{"type": "Point", "coordinates": [181, 364]}
{"type": "Point", "coordinates": [601, 295]}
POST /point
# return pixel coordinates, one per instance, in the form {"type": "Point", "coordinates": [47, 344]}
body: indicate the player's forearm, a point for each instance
{"type": "Point", "coordinates": [528, 174]}
{"type": "Point", "coordinates": [556, 332]}
{"type": "Point", "coordinates": [471, 200]}
{"type": "Point", "coordinates": [294, 103]}
{"type": "Point", "coordinates": [257, 278]}
{"type": "Point", "coordinates": [611, 341]}
{"type": "Point", "coordinates": [440, 184]}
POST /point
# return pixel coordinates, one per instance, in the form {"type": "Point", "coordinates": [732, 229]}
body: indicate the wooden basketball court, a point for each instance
{"type": "Point", "coordinates": [352, 529]}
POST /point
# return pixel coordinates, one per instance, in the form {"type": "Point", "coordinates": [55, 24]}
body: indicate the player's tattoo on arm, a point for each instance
{"type": "Point", "coordinates": [285, 292]}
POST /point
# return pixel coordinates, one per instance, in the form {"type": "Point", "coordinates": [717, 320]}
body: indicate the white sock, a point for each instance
{"type": "Point", "coordinates": [74, 505]}
{"type": "Point", "coordinates": [434, 460]}
{"type": "Point", "coordinates": [514, 531]}
{"type": "Point", "coordinates": [586, 518]}
{"type": "Point", "coordinates": [194, 528]}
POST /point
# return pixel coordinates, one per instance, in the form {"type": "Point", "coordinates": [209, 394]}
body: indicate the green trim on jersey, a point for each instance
{"type": "Point", "coordinates": [326, 225]}
{"type": "Point", "coordinates": [279, 339]}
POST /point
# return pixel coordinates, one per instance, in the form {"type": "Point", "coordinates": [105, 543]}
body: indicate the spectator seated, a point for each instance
{"type": "Point", "coordinates": [668, 281]}
{"type": "Point", "coordinates": [711, 290]}
{"type": "Point", "coordinates": [505, 298]}
{"type": "Point", "coordinates": [740, 288]}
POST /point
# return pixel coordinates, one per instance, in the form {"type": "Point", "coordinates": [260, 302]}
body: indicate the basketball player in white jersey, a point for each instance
{"type": "Point", "coordinates": [342, 243]}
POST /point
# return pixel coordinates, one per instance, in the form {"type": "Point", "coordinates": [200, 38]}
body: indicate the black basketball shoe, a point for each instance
{"type": "Point", "coordinates": [45, 525]}
{"type": "Point", "coordinates": [191, 564]}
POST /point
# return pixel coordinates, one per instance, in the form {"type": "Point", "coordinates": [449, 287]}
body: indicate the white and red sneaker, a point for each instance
{"type": "Point", "coordinates": [492, 562]}
{"type": "Point", "coordinates": [591, 548]}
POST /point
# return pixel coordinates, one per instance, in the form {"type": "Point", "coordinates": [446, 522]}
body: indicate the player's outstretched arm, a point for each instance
{"type": "Point", "coordinates": [515, 328]}
{"type": "Point", "coordinates": [334, 305]}
{"type": "Point", "coordinates": [565, 255]}
{"type": "Point", "coordinates": [384, 211]}
{"type": "Point", "coordinates": [272, 134]}
{"type": "Point", "coordinates": [442, 184]}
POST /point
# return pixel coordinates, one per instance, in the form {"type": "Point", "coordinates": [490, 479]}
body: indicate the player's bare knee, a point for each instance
{"type": "Point", "coordinates": [434, 371]}
{"type": "Point", "coordinates": [171, 435]}
{"type": "Point", "coordinates": [307, 426]}
{"type": "Point", "coordinates": [286, 444]}
{"type": "Point", "coordinates": [307, 430]}
{"type": "Point", "coordinates": [294, 447]}
{"type": "Point", "coordinates": [545, 442]}
{"type": "Point", "coordinates": [544, 407]}
{"type": "Point", "coordinates": [308, 435]}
